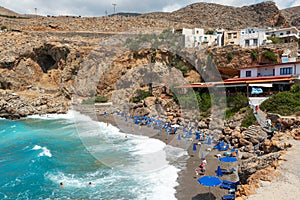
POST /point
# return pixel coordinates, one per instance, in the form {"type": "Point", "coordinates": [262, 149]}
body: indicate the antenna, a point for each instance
{"type": "Point", "coordinates": [114, 5]}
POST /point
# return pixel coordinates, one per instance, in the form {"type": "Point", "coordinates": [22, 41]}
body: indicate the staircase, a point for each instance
{"type": "Point", "coordinates": [260, 116]}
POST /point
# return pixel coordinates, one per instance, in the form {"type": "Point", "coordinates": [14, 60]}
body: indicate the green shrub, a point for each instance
{"type": "Point", "coordinates": [3, 28]}
{"type": "Point", "coordinates": [283, 103]}
{"type": "Point", "coordinates": [209, 32]}
{"type": "Point", "coordinates": [270, 56]}
{"type": "Point", "coordinates": [141, 94]}
{"type": "Point", "coordinates": [100, 99]}
{"type": "Point", "coordinates": [254, 55]}
{"type": "Point", "coordinates": [275, 40]}
{"type": "Point", "coordinates": [249, 119]}
{"type": "Point", "coordinates": [295, 88]}
{"type": "Point", "coordinates": [182, 67]}
{"type": "Point", "coordinates": [230, 56]}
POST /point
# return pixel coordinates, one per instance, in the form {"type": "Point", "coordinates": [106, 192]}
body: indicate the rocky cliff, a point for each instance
{"type": "Point", "coordinates": [204, 15]}
{"type": "Point", "coordinates": [212, 16]}
{"type": "Point", "coordinates": [292, 15]}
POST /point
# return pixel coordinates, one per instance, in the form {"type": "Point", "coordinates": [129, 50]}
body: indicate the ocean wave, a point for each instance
{"type": "Point", "coordinates": [71, 114]}
{"type": "Point", "coordinates": [45, 152]}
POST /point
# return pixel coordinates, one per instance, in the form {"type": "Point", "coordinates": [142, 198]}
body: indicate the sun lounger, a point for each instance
{"type": "Point", "coordinates": [230, 182]}
{"type": "Point", "coordinates": [225, 171]}
{"type": "Point", "coordinates": [228, 197]}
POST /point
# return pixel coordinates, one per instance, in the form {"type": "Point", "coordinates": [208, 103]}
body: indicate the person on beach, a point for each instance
{"type": "Point", "coordinates": [278, 125]}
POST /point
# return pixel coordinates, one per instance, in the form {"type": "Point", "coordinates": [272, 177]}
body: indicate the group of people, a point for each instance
{"type": "Point", "coordinates": [271, 126]}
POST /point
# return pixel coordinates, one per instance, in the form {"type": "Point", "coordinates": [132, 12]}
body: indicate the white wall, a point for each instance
{"type": "Point", "coordinates": [298, 69]}
{"type": "Point", "coordinates": [253, 72]}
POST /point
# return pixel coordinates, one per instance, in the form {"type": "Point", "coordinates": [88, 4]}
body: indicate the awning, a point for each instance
{"type": "Point", "coordinates": [261, 85]}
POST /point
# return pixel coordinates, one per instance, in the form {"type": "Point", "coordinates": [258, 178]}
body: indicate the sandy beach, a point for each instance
{"type": "Point", "coordinates": [188, 187]}
{"type": "Point", "coordinates": [285, 186]}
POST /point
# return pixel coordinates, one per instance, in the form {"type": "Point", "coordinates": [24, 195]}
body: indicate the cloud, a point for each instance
{"type": "Point", "coordinates": [98, 8]}
{"type": "Point", "coordinates": [171, 8]}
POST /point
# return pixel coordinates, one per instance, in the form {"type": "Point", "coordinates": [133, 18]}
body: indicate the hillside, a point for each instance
{"type": "Point", "coordinates": [7, 12]}
{"type": "Point", "coordinates": [210, 15]}
{"type": "Point", "coordinates": [292, 14]}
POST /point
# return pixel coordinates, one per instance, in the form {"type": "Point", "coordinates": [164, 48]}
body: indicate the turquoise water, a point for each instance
{"type": "Point", "coordinates": [36, 154]}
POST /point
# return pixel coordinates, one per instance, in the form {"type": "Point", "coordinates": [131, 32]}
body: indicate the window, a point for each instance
{"type": "Point", "coordinates": [234, 35]}
{"type": "Point", "coordinates": [255, 42]}
{"type": "Point", "coordinates": [247, 43]}
{"type": "Point", "coordinates": [248, 73]}
{"type": "Point", "coordinates": [286, 71]}
{"type": "Point", "coordinates": [288, 32]}
{"type": "Point", "coordinates": [229, 35]}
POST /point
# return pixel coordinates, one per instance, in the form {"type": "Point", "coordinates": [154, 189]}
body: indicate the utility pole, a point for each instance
{"type": "Point", "coordinates": [114, 5]}
{"type": "Point", "coordinates": [35, 9]}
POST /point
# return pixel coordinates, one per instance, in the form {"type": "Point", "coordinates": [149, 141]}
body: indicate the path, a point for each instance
{"type": "Point", "coordinates": [260, 116]}
{"type": "Point", "coordinates": [287, 185]}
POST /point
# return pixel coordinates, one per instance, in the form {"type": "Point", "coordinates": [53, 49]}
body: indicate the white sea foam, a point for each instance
{"type": "Point", "coordinates": [45, 151]}
{"type": "Point", "coordinates": [69, 115]}
{"type": "Point", "coordinates": [152, 165]}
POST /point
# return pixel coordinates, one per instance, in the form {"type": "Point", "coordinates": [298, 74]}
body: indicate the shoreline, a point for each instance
{"type": "Point", "coordinates": [188, 186]}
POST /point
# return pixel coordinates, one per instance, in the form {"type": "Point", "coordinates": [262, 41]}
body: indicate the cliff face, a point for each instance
{"type": "Point", "coordinates": [242, 57]}
{"type": "Point", "coordinates": [292, 14]}
{"type": "Point", "coordinates": [37, 72]}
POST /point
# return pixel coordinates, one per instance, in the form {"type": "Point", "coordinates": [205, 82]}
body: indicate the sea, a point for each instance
{"type": "Point", "coordinates": [92, 160]}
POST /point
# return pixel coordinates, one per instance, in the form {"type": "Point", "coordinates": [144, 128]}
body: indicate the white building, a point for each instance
{"type": "Point", "coordinates": [196, 37]}
{"type": "Point", "coordinates": [283, 69]}
{"type": "Point", "coordinates": [252, 37]}
{"type": "Point", "coordinates": [288, 35]}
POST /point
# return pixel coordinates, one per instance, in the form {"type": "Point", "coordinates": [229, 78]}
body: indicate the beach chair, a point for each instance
{"type": "Point", "coordinates": [230, 182]}
{"type": "Point", "coordinates": [228, 197]}
{"type": "Point", "coordinates": [225, 171]}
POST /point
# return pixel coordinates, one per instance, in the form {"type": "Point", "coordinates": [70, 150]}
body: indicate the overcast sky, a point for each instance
{"type": "Point", "coordinates": [99, 7]}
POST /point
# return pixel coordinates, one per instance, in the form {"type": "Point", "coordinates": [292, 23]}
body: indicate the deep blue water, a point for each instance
{"type": "Point", "coordinates": [37, 154]}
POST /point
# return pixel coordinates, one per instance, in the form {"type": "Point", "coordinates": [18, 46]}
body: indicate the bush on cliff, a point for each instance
{"type": "Point", "coordinates": [249, 118]}
{"type": "Point", "coordinates": [270, 56]}
{"type": "Point", "coordinates": [141, 94]}
{"type": "Point", "coordinates": [98, 99]}
{"type": "Point", "coordinates": [283, 103]}
{"type": "Point", "coordinates": [235, 103]}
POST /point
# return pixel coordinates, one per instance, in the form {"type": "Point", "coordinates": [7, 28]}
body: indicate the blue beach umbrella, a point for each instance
{"type": "Point", "coordinates": [228, 159]}
{"type": "Point", "coordinates": [210, 181]}
{"type": "Point", "coordinates": [219, 171]}
{"type": "Point", "coordinates": [197, 136]}
{"type": "Point", "coordinates": [194, 147]}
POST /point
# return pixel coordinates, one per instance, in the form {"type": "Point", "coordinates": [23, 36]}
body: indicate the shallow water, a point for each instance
{"type": "Point", "coordinates": [38, 153]}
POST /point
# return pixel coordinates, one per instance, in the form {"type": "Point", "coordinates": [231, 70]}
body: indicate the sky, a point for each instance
{"type": "Point", "coordinates": [101, 7]}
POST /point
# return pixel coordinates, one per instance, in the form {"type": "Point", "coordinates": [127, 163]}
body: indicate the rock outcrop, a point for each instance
{"type": "Point", "coordinates": [208, 15]}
